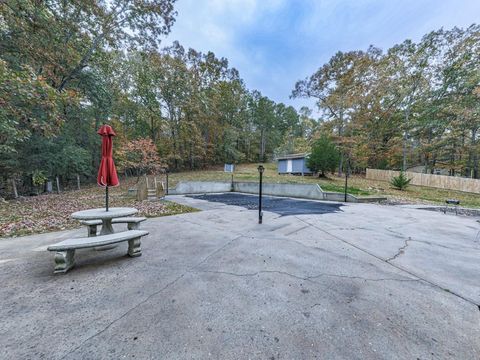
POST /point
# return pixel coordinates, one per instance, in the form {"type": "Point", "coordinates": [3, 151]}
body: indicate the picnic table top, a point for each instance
{"type": "Point", "coordinates": [112, 213]}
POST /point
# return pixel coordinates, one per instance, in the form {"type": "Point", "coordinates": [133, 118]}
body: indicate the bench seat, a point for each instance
{"type": "Point", "coordinates": [65, 250]}
{"type": "Point", "coordinates": [133, 223]}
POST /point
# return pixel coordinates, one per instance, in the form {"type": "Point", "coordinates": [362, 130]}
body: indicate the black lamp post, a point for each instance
{"type": "Point", "coordinates": [261, 169]}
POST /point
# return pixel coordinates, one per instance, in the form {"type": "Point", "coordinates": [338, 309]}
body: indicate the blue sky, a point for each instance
{"type": "Point", "coordinates": [274, 43]}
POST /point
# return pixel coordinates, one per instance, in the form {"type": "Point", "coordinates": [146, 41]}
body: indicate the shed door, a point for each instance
{"type": "Point", "coordinates": [289, 166]}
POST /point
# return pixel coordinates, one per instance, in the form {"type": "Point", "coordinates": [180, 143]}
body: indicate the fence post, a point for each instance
{"type": "Point", "coordinates": [58, 184]}
{"type": "Point", "coordinates": [14, 186]}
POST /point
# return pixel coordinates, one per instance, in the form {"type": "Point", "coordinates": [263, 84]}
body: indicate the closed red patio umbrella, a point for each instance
{"type": "Point", "coordinates": [107, 174]}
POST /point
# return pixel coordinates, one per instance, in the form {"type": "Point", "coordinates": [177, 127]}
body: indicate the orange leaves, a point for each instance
{"type": "Point", "coordinates": [140, 155]}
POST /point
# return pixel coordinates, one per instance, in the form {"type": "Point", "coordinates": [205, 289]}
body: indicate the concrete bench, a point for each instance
{"type": "Point", "coordinates": [65, 250]}
{"type": "Point", "coordinates": [133, 223]}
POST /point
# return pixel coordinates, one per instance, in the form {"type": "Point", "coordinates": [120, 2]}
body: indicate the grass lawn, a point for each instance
{"type": "Point", "coordinates": [51, 212]}
{"type": "Point", "coordinates": [358, 185]}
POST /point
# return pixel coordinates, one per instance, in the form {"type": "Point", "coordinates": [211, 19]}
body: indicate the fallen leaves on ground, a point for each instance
{"type": "Point", "coordinates": [51, 212]}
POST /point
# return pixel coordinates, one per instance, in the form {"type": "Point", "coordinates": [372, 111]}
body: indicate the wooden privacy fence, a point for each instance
{"type": "Point", "coordinates": [430, 180]}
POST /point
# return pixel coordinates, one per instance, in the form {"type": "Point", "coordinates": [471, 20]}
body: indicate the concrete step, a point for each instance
{"type": "Point", "coordinates": [152, 194]}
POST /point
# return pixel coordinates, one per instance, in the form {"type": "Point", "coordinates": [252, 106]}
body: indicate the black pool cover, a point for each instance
{"type": "Point", "coordinates": [281, 206]}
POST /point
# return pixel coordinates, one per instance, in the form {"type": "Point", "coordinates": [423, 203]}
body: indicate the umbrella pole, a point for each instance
{"type": "Point", "coordinates": [106, 198]}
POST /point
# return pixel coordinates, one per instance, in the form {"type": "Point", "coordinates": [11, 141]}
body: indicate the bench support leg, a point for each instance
{"type": "Point", "coordinates": [133, 226]}
{"type": "Point", "coordinates": [134, 247]}
{"type": "Point", "coordinates": [92, 230]}
{"type": "Point", "coordinates": [64, 261]}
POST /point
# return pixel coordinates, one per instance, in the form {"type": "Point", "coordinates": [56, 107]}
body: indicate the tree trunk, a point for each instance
{"type": "Point", "coordinates": [262, 146]}
{"type": "Point", "coordinates": [206, 139]}
{"type": "Point", "coordinates": [340, 135]}
{"type": "Point", "coordinates": [340, 166]}
{"type": "Point", "coordinates": [426, 155]}
{"type": "Point", "coordinates": [78, 182]}
{"type": "Point", "coordinates": [153, 131]}
{"type": "Point", "coordinates": [174, 143]}
{"type": "Point", "coordinates": [405, 139]}
{"type": "Point", "coordinates": [452, 159]}
{"type": "Point", "coordinates": [83, 62]}
{"type": "Point", "coordinates": [94, 152]}
{"type": "Point", "coordinates": [474, 158]}
{"type": "Point", "coordinates": [191, 157]}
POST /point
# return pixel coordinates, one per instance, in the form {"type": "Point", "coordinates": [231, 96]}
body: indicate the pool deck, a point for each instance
{"type": "Point", "coordinates": [355, 281]}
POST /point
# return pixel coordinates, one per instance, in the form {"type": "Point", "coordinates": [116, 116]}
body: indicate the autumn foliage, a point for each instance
{"type": "Point", "coordinates": [139, 157]}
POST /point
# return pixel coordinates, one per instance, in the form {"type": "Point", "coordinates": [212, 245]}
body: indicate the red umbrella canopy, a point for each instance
{"type": "Point", "coordinates": [107, 174]}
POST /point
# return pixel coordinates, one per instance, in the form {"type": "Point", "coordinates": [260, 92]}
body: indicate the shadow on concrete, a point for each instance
{"type": "Point", "coordinates": [452, 211]}
{"type": "Point", "coordinates": [281, 206]}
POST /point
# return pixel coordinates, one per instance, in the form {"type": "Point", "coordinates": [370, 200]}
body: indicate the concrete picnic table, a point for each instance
{"type": "Point", "coordinates": [105, 216]}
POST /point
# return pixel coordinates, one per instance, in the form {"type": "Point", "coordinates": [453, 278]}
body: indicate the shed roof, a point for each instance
{"type": "Point", "coordinates": [293, 156]}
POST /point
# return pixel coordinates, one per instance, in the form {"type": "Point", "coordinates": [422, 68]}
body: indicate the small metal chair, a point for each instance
{"type": "Point", "coordinates": [453, 202]}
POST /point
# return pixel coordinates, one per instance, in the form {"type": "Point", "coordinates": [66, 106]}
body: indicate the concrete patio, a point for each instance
{"type": "Point", "coordinates": [359, 281]}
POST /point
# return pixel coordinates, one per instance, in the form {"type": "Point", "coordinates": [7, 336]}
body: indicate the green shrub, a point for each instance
{"type": "Point", "coordinates": [400, 182]}
{"type": "Point", "coordinates": [324, 156]}
{"type": "Point", "coordinates": [38, 178]}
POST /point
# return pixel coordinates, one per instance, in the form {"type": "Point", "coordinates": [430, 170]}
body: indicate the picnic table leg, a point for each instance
{"type": "Point", "coordinates": [106, 227]}
{"type": "Point", "coordinates": [106, 230]}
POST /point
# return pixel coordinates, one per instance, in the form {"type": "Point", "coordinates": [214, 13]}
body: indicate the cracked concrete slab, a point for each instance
{"type": "Point", "coordinates": [215, 284]}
